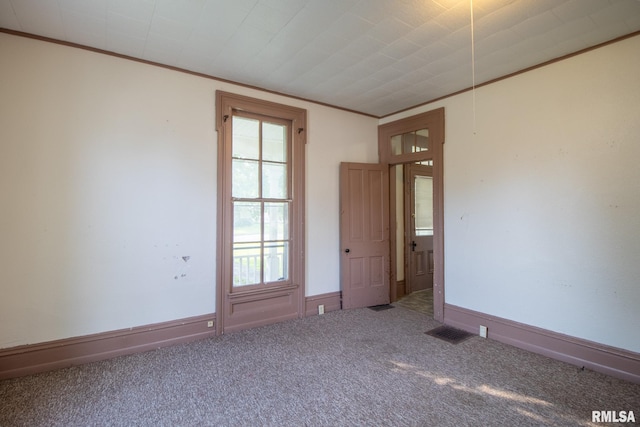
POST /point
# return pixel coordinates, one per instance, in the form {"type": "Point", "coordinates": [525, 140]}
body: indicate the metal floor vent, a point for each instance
{"type": "Point", "coordinates": [449, 334]}
{"type": "Point", "coordinates": [381, 307]}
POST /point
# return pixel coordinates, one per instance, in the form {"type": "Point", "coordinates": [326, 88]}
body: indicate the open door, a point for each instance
{"type": "Point", "coordinates": [364, 234]}
{"type": "Point", "coordinates": [419, 227]}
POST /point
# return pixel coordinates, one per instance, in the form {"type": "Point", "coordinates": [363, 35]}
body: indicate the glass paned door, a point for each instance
{"type": "Point", "coordinates": [420, 224]}
{"type": "Point", "coordinates": [261, 200]}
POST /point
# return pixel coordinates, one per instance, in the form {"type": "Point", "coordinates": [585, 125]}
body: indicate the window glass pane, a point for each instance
{"type": "Point", "coordinates": [396, 144]}
{"type": "Point", "coordinates": [408, 142]}
{"type": "Point", "coordinates": [246, 264]}
{"type": "Point", "coordinates": [247, 219]}
{"type": "Point", "coordinates": [274, 142]}
{"type": "Point", "coordinates": [422, 140]}
{"type": "Point", "coordinates": [244, 179]}
{"type": "Point", "coordinates": [274, 180]}
{"type": "Point", "coordinates": [424, 205]}
{"type": "Point", "coordinates": [276, 221]}
{"type": "Point", "coordinates": [276, 261]}
{"type": "Point", "coordinates": [246, 138]}
{"type": "Point", "coordinates": [260, 228]}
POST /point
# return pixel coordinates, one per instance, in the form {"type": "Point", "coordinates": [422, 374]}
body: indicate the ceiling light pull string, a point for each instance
{"type": "Point", "coordinates": [473, 69]}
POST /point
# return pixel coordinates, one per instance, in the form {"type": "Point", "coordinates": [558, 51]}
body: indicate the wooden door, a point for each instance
{"type": "Point", "coordinates": [419, 180]}
{"type": "Point", "coordinates": [364, 234]}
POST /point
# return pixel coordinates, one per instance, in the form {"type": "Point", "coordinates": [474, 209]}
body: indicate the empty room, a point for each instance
{"type": "Point", "coordinates": [319, 212]}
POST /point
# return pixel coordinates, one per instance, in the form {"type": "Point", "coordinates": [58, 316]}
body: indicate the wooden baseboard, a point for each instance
{"type": "Point", "coordinates": [331, 301]}
{"type": "Point", "coordinates": [598, 357]}
{"type": "Point", "coordinates": [31, 359]}
{"type": "Point", "coordinates": [34, 358]}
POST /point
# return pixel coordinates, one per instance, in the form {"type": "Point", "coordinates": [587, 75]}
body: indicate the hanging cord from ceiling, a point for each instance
{"type": "Point", "coordinates": [473, 68]}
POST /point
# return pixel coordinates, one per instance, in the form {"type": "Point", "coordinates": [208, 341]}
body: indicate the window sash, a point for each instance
{"type": "Point", "coordinates": [261, 181]}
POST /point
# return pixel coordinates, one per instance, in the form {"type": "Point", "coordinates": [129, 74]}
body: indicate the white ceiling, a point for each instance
{"type": "Point", "coordinates": [371, 56]}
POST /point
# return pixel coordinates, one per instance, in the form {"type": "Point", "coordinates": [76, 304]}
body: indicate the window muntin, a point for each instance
{"type": "Point", "coordinates": [261, 199]}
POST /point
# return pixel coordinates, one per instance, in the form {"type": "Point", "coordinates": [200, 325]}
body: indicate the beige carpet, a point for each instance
{"type": "Point", "coordinates": [345, 368]}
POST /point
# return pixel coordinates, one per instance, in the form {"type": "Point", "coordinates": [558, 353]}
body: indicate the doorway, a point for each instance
{"type": "Point", "coordinates": [415, 143]}
{"type": "Point", "coordinates": [414, 236]}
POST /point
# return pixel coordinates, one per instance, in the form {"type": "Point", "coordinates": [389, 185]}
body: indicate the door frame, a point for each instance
{"type": "Point", "coordinates": [434, 121]}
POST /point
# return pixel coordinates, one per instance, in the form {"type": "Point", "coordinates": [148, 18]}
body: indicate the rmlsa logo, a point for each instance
{"type": "Point", "coordinates": [613, 417]}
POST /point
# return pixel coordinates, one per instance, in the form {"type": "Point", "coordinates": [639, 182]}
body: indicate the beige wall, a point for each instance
{"type": "Point", "coordinates": [108, 179]}
{"type": "Point", "coordinates": [542, 198]}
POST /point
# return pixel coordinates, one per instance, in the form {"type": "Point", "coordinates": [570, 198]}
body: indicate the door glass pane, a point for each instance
{"type": "Point", "coordinates": [276, 265]}
{"type": "Point", "coordinates": [274, 147]}
{"type": "Point", "coordinates": [274, 180]}
{"type": "Point", "coordinates": [276, 221]}
{"type": "Point", "coordinates": [246, 138]}
{"type": "Point", "coordinates": [245, 183]}
{"type": "Point", "coordinates": [246, 264]}
{"type": "Point", "coordinates": [247, 220]}
{"type": "Point", "coordinates": [423, 205]}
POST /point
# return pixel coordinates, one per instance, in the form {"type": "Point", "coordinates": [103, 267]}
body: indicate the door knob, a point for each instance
{"type": "Point", "coordinates": [347, 250]}
{"type": "Point", "coordinates": [413, 246]}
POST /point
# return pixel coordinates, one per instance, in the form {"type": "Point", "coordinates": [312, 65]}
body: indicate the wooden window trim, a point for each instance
{"type": "Point", "coordinates": [226, 104]}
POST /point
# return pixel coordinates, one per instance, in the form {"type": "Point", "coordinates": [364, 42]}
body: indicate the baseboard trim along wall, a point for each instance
{"type": "Point", "coordinates": [582, 353]}
{"type": "Point", "coordinates": [331, 301]}
{"type": "Point", "coordinates": [34, 358]}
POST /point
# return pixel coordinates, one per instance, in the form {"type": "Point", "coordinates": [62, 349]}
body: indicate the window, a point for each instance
{"type": "Point", "coordinates": [260, 211]}
{"type": "Point", "coordinates": [413, 139]}
{"type": "Point", "coordinates": [410, 142]}
{"type": "Point", "coordinates": [261, 187]}
{"type": "Point", "coordinates": [423, 202]}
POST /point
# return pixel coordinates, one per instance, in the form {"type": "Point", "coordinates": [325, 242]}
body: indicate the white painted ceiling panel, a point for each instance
{"type": "Point", "coordinates": [79, 24]}
{"type": "Point", "coordinates": [127, 25]}
{"type": "Point", "coordinates": [41, 17]}
{"type": "Point", "coordinates": [8, 19]}
{"type": "Point", "coordinates": [372, 56]}
{"type": "Point", "coordinates": [574, 9]}
{"type": "Point", "coordinates": [141, 10]}
{"type": "Point", "coordinates": [572, 29]}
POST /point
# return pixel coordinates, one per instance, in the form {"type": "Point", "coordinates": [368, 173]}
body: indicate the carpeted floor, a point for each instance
{"type": "Point", "coordinates": [345, 368]}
